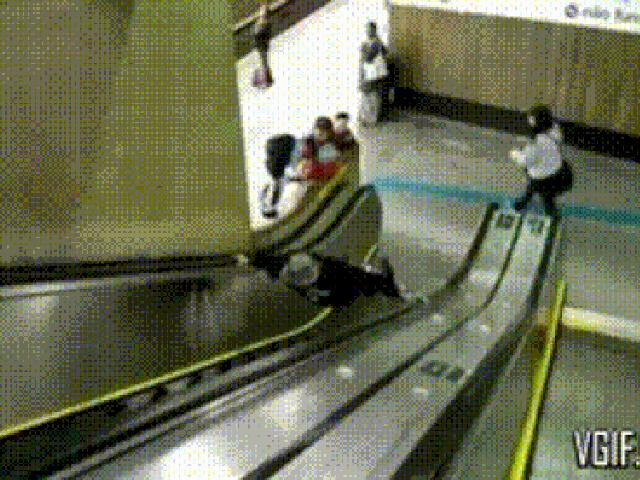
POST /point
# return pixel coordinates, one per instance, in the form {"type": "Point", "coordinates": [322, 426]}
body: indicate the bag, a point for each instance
{"type": "Point", "coordinates": [279, 152]}
{"type": "Point", "coordinates": [262, 77]}
{"type": "Point", "coordinates": [370, 106]}
{"type": "Point", "coordinates": [269, 199]}
{"type": "Point", "coordinates": [376, 70]}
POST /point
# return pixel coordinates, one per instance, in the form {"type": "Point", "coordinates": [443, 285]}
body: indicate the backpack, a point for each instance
{"type": "Point", "coordinates": [279, 151]}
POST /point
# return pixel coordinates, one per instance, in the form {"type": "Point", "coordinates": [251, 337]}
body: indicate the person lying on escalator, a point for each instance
{"type": "Point", "coordinates": [330, 281]}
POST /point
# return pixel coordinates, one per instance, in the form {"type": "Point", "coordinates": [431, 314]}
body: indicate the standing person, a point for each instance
{"type": "Point", "coordinates": [374, 77]}
{"type": "Point", "coordinates": [262, 35]}
{"type": "Point", "coordinates": [344, 135]}
{"type": "Point", "coordinates": [548, 175]}
{"type": "Point", "coordinates": [280, 149]}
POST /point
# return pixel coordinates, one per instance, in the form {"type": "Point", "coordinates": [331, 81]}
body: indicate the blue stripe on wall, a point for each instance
{"type": "Point", "coordinates": [469, 195]}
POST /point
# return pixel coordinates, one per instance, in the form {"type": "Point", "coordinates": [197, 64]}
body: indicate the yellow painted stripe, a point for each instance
{"type": "Point", "coordinates": [602, 324]}
{"type": "Point", "coordinates": [522, 454]}
{"type": "Point", "coordinates": [163, 379]}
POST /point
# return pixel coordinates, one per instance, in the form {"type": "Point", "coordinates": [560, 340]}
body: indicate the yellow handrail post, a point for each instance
{"type": "Point", "coordinates": [522, 454]}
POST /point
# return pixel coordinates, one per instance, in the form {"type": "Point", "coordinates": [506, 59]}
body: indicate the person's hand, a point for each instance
{"type": "Point", "coordinates": [517, 156]}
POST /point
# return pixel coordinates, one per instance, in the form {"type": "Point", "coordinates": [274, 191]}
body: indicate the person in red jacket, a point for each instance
{"type": "Point", "coordinates": [319, 152]}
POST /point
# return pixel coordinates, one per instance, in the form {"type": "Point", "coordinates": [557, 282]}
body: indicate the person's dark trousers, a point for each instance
{"type": "Point", "coordinates": [546, 189]}
{"type": "Point", "coordinates": [277, 190]}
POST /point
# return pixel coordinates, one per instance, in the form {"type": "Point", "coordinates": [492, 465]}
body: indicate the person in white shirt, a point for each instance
{"type": "Point", "coordinates": [542, 160]}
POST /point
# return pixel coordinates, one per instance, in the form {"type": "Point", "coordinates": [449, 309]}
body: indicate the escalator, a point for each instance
{"type": "Point", "coordinates": [284, 399]}
{"type": "Point", "coordinates": [124, 330]}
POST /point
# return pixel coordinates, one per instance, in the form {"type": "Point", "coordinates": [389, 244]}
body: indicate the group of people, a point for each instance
{"type": "Point", "coordinates": [315, 158]}
{"type": "Point", "coordinates": [320, 153]}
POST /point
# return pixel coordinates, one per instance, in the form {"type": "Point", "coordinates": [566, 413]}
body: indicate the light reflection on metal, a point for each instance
{"type": "Point", "coordinates": [345, 372]}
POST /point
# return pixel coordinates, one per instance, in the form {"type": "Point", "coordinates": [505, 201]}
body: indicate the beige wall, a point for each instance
{"type": "Point", "coordinates": [587, 75]}
{"type": "Point", "coordinates": [242, 9]}
{"type": "Point", "coordinates": [120, 130]}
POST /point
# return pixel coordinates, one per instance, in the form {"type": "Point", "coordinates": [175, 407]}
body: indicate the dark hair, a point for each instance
{"type": "Point", "coordinates": [342, 116]}
{"type": "Point", "coordinates": [372, 26]}
{"type": "Point", "coordinates": [324, 123]}
{"type": "Point", "coordinates": [543, 119]}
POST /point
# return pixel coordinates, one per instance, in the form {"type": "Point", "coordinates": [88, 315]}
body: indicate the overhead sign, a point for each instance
{"type": "Point", "coordinates": [619, 15]}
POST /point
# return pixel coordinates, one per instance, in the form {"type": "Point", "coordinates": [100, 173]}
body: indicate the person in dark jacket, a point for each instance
{"type": "Point", "coordinates": [262, 35]}
{"type": "Point", "coordinates": [280, 149]}
{"type": "Point", "coordinates": [548, 175]}
{"type": "Point", "coordinates": [374, 50]}
{"type": "Point", "coordinates": [330, 280]}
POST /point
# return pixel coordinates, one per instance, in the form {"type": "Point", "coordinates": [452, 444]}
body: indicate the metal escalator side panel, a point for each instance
{"type": "Point", "coordinates": [483, 277]}
{"type": "Point", "coordinates": [358, 231]}
{"type": "Point", "coordinates": [414, 341]}
{"type": "Point", "coordinates": [478, 348]}
{"type": "Point", "coordinates": [277, 236]}
{"type": "Point", "coordinates": [323, 223]}
{"type": "Point", "coordinates": [487, 449]}
{"type": "Point", "coordinates": [280, 419]}
{"type": "Point", "coordinates": [361, 447]}
{"type": "Point", "coordinates": [128, 338]}
{"type": "Point", "coordinates": [347, 374]}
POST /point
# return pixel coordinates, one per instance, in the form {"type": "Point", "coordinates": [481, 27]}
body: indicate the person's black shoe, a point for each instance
{"type": "Point", "coordinates": [388, 276]}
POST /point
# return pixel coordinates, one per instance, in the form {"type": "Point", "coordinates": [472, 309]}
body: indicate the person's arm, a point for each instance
{"type": "Point", "coordinates": [556, 133]}
{"type": "Point", "coordinates": [525, 157]}
{"type": "Point", "coordinates": [384, 50]}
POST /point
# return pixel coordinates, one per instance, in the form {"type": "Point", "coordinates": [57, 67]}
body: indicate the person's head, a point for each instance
{"type": "Point", "coordinates": [342, 120]}
{"type": "Point", "coordinates": [372, 30]}
{"type": "Point", "coordinates": [323, 129]}
{"type": "Point", "coordinates": [540, 119]}
{"type": "Point", "coordinates": [302, 270]}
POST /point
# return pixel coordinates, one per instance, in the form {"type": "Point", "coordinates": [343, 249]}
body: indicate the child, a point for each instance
{"type": "Point", "coordinates": [344, 135]}
{"type": "Point", "coordinates": [320, 146]}
{"type": "Point", "coordinates": [548, 175]}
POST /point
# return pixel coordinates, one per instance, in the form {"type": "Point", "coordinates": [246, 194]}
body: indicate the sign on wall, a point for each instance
{"type": "Point", "coordinates": [619, 15]}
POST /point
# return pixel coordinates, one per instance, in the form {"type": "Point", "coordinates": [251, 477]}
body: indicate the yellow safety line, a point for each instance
{"type": "Point", "coordinates": [522, 454]}
{"type": "Point", "coordinates": [163, 379]}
